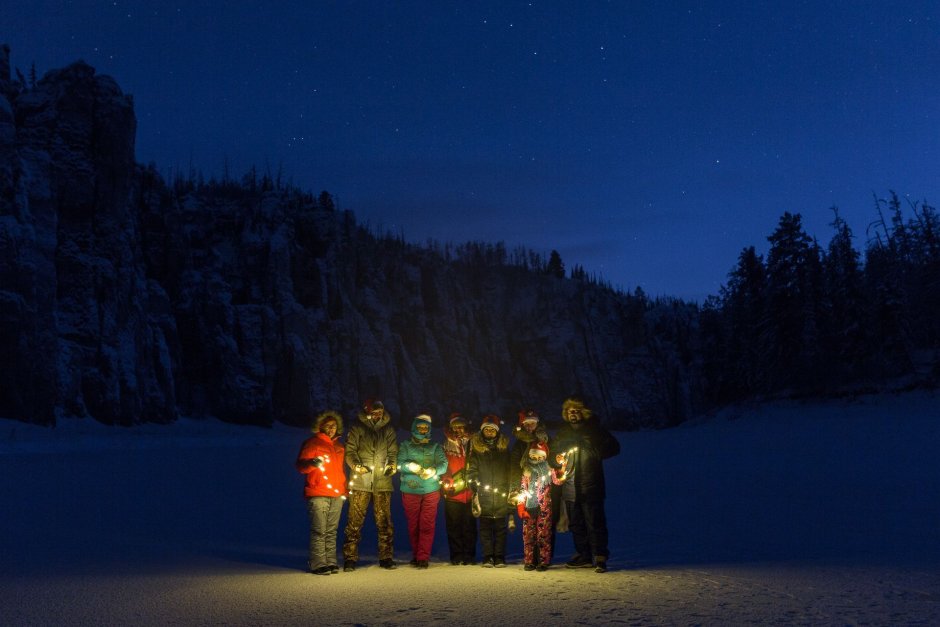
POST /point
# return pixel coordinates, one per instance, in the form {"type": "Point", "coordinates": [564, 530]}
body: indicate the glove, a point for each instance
{"type": "Point", "coordinates": [361, 469]}
{"type": "Point", "coordinates": [523, 512]}
{"type": "Point", "coordinates": [413, 468]}
{"type": "Point", "coordinates": [427, 473]}
{"type": "Point", "coordinates": [448, 484]}
{"type": "Point", "coordinates": [389, 471]}
{"type": "Point", "coordinates": [511, 524]}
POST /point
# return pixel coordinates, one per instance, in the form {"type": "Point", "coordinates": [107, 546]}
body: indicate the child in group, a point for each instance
{"type": "Point", "coordinates": [534, 504]}
{"type": "Point", "coordinates": [321, 460]}
{"type": "Point", "coordinates": [422, 462]}
{"type": "Point", "coordinates": [489, 472]}
{"type": "Point", "coordinates": [461, 525]}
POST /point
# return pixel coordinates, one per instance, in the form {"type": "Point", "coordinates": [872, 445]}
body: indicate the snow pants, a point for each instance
{"type": "Point", "coordinates": [382, 509]}
{"type": "Point", "coordinates": [324, 519]}
{"type": "Point", "coordinates": [461, 531]}
{"type": "Point", "coordinates": [421, 513]}
{"type": "Point", "coordinates": [588, 525]}
{"type": "Point", "coordinates": [493, 537]}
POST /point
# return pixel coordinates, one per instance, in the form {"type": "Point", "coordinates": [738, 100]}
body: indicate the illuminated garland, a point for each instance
{"type": "Point", "coordinates": [487, 488]}
{"type": "Point", "coordinates": [414, 468]}
{"type": "Point", "coordinates": [321, 463]}
{"type": "Point", "coordinates": [565, 464]}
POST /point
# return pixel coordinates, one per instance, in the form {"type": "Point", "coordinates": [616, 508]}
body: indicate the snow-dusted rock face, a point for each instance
{"type": "Point", "coordinates": [125, 300]}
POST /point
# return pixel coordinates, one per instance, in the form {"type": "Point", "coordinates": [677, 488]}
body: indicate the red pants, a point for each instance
{"type": "Point", "coordinates": [421, 512]}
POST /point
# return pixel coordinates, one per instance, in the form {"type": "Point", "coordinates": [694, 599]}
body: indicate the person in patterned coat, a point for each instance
{"type": "Point", "coordinates": [372, 457]}
{"type": "Point", "coordinates": [534, 504]}
{"type": "Point", "coordinates": [458, 514]}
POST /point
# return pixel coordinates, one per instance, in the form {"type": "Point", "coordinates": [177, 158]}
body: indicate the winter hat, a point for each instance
{"type": "Point", "coordinates": [575, 402]}
{"type": "Point", "coordinates": [421, 419]}
{"type": "Point", "coordinates": [527, 415]}
{"type": "Point", "coordinates": [491, 420]}
{"type": "Point", "coordinates": [542, 447]}
{"type": "Point", "coordinates": [456, 419]}
{"type": "Point", "coordinates": [372, 405]}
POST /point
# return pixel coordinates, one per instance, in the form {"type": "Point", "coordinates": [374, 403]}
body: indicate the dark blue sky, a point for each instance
{"type": "Point", "coordinates": [648, 141]}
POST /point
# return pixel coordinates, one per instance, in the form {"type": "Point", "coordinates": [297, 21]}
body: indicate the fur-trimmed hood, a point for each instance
{"type": "Point", "coordinates": [539, 435]}
{"type": "Point", "coordinates": [378, 424]}
{"type": "Point", "coordinates": [479, 445]}
{"type": "Point", "coordinates": [321, 418]}
{"type": "Point", "coordinates": [574, 401]}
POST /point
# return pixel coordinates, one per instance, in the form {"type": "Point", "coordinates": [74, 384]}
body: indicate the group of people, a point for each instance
{"type": "Point", "coordinates": [550, 483]}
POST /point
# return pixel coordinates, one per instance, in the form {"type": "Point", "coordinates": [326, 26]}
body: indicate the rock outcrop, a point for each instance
{"type": "Point", "coordinates": [125, 299]}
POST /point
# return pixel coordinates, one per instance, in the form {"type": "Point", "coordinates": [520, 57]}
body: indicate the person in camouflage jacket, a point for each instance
{"type": "Point", "coordinates": [372, 457]}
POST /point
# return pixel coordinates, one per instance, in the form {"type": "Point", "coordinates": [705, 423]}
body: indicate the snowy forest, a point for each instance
{"type": "Point", "coordinates": [128, 296]}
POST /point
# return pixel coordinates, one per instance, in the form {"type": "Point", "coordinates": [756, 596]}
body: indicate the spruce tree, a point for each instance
{"type": "Point", "coordinates": [791, 315]}
{"type": "Point", "coordinates": [843, 329]}
{"type": "Point", "coordinates": [555, 266]}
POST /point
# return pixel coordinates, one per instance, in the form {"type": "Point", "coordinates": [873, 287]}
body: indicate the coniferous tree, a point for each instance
{"type": "Point", "coordinates": [886, 276]}
{"type": "Point", "coordinates": [325, 201]}
{"type": "Point", "coordinates": [743, 307]}
{"type": "Point", "coordinates": [555, 266]}
{"type": "Point", "coordinates": [927, 238]}
{"type": "Point", "coordinates": [843, 329]}
{"type": "Point", "coordinates": [792, 304]}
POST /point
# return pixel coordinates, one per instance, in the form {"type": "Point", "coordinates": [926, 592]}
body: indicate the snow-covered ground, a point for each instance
{"type": "Point", "coordinates": [804, 514]}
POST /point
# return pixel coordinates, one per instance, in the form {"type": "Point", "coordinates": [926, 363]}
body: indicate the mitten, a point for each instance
{"type": "Point", "coordinates": [523, 512]}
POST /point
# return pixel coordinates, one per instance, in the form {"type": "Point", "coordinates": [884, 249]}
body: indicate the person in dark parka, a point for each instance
{"type": "Point", "coordinates": [582, 444]}
{"type": "Point", "coordinates": [489, 473]}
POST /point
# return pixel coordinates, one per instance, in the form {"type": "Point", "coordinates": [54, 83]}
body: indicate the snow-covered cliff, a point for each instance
{"type": "Point", "coordinates": [128, 300]}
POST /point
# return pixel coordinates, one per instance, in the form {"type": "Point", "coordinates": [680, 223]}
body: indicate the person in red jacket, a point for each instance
{"type": "Point", "coordinates": [461, 525]}
{"type": "Point", "coordinates": [321, 460]}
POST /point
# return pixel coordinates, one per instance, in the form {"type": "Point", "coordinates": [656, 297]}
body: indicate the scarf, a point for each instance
{"type": "Point", "coordinates": [454, 447]}
{"type": "Point", "coordinates": [539, 474]}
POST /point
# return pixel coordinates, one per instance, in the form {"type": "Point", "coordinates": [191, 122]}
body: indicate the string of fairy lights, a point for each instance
{"type": "Point", "coordinates": [417, 469]}
{"type": "Point", "coordinates": [324, 460]}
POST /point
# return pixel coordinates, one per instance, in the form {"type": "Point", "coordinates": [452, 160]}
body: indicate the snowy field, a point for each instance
{"type": "Point", "coordinates": [826, 514]}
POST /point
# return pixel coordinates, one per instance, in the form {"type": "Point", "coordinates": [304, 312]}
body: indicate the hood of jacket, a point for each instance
{"type": "Point", "coordinates": [539, 435]}
{"type": "Point", "coordinates": [322, 417]}
{"type": "Point", "coordinates": [479, 445]}
{"type": "Point", "coordinates": [365, 419]}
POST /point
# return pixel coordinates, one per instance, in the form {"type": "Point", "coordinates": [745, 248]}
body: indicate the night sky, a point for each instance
{"type": "Point", "coordinates": [647, 141]}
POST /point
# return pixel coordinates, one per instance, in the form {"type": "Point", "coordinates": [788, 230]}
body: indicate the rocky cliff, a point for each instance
{"type": "Point", "coordinates": [125, 299]}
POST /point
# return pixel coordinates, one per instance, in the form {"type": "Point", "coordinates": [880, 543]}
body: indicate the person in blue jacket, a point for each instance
{"type": "Point", "coordinates": [422, 463]}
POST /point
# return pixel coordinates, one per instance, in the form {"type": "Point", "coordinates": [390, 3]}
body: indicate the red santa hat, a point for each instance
{"type": "Point", "coordinates": [542, 447]}
{"type": "Point", "coordinates": [373, 404]}
{"type": "Point", "coordinates": [527, 415]}
{"type": "Point", "coordinates": [490, 420]}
